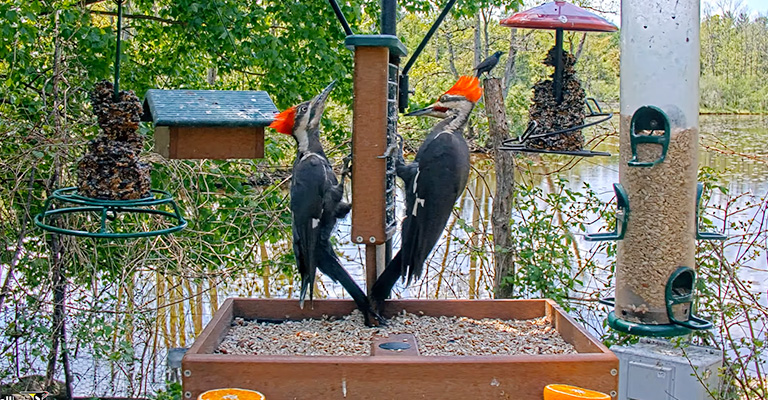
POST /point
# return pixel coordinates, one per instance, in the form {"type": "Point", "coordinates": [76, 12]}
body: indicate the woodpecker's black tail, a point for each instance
{"type": "Point", "coordinates": [306, 261]}
{"type": "Point", "coordinates": [386, 281]}
{"type": "Point", "coordinates": [329, 264]}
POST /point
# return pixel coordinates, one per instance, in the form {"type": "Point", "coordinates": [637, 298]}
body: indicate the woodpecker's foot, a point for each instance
{"type": "Point", "coordinates": [378, 320]}
{"type": "Point", "coordinates": [378, 306]}
{"type": "Point", "coordinates": [346, 168]}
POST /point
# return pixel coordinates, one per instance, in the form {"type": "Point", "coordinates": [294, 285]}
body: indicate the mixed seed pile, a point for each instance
{"type": "Point", "coordinates": [110, 168]}
{"type": "Point", "coordinates": [552, 116]}
{"type": "Point", "coordinates": [436, 336]}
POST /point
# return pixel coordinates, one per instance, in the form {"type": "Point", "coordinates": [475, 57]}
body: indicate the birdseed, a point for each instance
{"type": "Point", "coordinates": [435, 336]}
{"type": "Point", "coordinates": [111, 168]}
{"type": "Point", "coordinates": [661, 231]}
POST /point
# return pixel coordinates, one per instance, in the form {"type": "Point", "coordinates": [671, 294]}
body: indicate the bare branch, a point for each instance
{"type": "Point", "coordinates": [139, 16]}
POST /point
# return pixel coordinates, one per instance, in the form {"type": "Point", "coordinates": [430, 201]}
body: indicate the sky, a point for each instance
{"type": "Point", "coordinates": [754, 6]}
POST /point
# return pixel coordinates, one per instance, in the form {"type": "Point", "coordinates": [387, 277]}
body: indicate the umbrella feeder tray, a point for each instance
{"type": "Point", "coordinates": [395, 369]}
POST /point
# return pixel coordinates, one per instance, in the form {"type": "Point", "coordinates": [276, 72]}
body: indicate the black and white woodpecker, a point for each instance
{"type": "Point", "coordinates": [433, 183]}
{"type": "Point", "coordinates": [488, 64]}
{"type": "Point", "coordinates": [316, 202]}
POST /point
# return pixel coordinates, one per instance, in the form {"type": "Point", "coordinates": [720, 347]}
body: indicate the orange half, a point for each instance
{"type": "Point", "coordinates": [567, 392]}
{"type": "Point", "coordinates": [231, 394]}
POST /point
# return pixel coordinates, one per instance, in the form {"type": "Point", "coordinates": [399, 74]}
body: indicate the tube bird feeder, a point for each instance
{"type": "Point", "coordinates": [560, 16]}
{"type": "Point", "coordinates": [655, 269]}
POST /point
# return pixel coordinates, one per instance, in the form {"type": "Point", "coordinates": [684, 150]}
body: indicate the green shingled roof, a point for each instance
{"type": "Point", "coordinates": [234, 108]}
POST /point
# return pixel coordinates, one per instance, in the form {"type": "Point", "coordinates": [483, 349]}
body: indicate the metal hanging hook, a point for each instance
{"type": "Point", "coordinates": [117, 48]}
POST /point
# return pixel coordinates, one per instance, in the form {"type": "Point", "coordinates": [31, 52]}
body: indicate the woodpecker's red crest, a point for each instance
{"type": "Point", "coordinates": [467, 86]}
{"type": "Point", "coordinates": [284, 121]}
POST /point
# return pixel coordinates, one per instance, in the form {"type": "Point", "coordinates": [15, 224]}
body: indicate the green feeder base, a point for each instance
{"type": "Point", "coordinates": [107, 211]}
{"type": "Point", "coordinates": [665, 330]}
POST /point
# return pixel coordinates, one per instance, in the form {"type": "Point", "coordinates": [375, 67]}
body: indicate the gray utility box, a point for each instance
{"type": "Point", "coordinates": [656, 370]}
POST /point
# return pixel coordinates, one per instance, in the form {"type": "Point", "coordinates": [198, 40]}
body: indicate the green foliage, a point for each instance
{"type": "Point", "coordinates": [545, 222]}
{"type": "Point", "coordinates": [733, 63]}
{"type": "Point", "coordinates": [173, 392]}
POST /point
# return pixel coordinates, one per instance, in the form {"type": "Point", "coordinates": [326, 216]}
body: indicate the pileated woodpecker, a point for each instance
{"type": "Point", "coordinates": [316, 202]}
{"type": "Point", "coordinates": [433, 183]}
{"type": "Point", "coordinates": [488, 64]}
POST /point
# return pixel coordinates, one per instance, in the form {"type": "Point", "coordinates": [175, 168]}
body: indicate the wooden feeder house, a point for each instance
{"type": "Point", "coordinates": [210, 124]}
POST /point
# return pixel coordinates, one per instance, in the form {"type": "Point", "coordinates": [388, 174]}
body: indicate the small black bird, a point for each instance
{"type": "Point", "coordinates": [433, 182]}
{"type": "Point", "coordinates": [316, 202]}
{"type": "Point", "coordinates": [487, 65]}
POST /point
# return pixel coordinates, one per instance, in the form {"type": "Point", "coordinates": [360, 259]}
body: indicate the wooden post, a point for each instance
{"type": "Point", "coordinates": [369, 142]}
{"type": "Point", "coordinates": [504, 256]}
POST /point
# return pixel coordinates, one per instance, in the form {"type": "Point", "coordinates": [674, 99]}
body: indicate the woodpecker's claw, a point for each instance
{"type": "Point", "coordinates": [380, 321]}
{"type": "Point", "coordinates": [388, 152]}
{"type": "Point", "coordinates": [346, 169]}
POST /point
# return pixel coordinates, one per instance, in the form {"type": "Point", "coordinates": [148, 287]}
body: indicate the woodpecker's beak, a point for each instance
{"type": "Point", "coordinates": [319, 101]}
{"type": "Point", "coordinates": [317, 105]}
{"type": "Point", "coordinates": [433, 111]}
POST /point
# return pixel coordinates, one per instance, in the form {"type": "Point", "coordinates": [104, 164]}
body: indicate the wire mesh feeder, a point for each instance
{"type": "Point", "coordinates": [596, 116]}
{"type": "Point", "coordinates": [102, 218]}
{"type": "Point", "coordinates": [558, 103]}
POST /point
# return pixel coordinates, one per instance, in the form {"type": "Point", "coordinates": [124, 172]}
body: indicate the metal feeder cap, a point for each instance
{"type": "Point", "coordinates": [559, 15]}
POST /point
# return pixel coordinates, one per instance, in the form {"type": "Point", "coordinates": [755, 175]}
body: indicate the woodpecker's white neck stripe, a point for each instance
{"type": "Point", "coordinates": [309, 154]}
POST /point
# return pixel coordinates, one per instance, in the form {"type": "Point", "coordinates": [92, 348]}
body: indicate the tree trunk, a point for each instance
{"type": "Point", "coordinates": [581, 45]}
{"type": "Point", "coordinates": [504, 254]}
{"type": "Point", "coordinates": [478, 40]}
{"type": "Point", "coordinates": [509, 67]}
{"type": "Point", "coordinates": [451, 55]}
{"type": "Point", "coordinates": [58, 319]}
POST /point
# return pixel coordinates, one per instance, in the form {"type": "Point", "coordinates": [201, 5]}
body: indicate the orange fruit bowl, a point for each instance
{"type": "Point", "coordinates": [567, 392]}
{"type": "Point", "coordinates": [231, 394]}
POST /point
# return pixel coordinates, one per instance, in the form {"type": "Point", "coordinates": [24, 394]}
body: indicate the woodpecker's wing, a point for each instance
{"type": "Point", "coordinates": [443, 168]}
{"type": "Point", "coordinates": [309, 187]}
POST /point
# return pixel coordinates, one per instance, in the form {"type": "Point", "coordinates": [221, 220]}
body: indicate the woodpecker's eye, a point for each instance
{"type": "Point", "coordinates": [303, 108]}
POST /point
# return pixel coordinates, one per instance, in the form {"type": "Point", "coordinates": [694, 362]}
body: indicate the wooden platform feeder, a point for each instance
{"type": "Point", "coordinates": [209, 124]}
{"type": "Point", "coordinates": [397, 374]}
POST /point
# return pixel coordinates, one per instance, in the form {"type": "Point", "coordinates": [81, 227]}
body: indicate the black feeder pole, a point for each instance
{"type": "Point", "coordinates": [403, 95]}
{"type": "Point", "coordinates": [558, 81]}
{"type": "Point", "coordinates": [117, 49]}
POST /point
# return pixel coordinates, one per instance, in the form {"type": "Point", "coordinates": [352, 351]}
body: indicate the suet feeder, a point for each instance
{"type": "Point", "coordinates": [556, 119]}
{"type": "Point", "coordinates": [209, 124]}
{"type": "Point", "coordinates": [114, 185]}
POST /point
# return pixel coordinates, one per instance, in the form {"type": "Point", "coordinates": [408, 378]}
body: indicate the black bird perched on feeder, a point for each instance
{"type": "Point", "coordinates": [316, 201]}
{"type": "Point", "coordinates": [433, 183]}
{"type": "Point", "coordinates": [489, 63]}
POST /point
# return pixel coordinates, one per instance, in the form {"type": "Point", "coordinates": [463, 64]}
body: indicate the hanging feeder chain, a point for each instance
{"type": "Point", "coordinates": [117, 48]}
